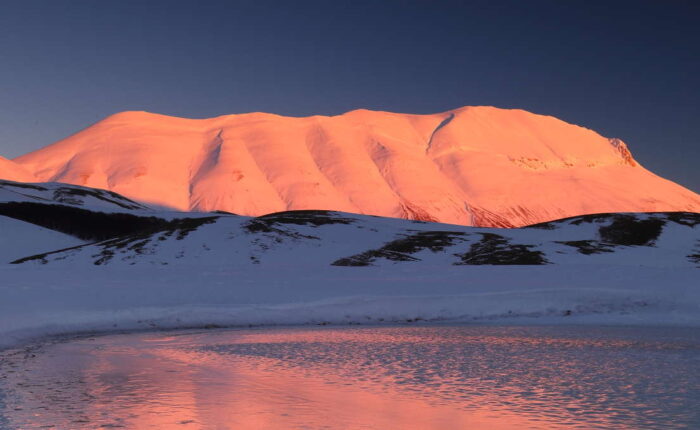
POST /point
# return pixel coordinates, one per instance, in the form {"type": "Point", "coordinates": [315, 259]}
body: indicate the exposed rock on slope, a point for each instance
{"type": "Point", "coordinates": [474, 166]}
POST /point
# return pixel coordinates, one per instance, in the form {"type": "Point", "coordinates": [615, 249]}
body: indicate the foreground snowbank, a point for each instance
{"type": "Point", "coordinates": [40, 302]}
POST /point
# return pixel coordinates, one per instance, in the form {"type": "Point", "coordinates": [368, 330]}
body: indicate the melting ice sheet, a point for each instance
{"type": "Point", "coordinates": [429, 377]}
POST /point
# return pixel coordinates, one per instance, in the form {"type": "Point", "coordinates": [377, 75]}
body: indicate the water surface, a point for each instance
{"type": "Point", "coordinates": [431, 377]}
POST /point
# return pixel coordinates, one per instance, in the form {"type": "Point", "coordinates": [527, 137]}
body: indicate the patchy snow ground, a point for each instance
{"type": "Point", "coordinates": [178, 270]}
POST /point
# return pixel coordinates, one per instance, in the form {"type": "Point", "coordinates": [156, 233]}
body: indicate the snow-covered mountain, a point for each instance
{"type": "Point", "coordinates": [471, 166]}
{"type": "Point", "coordinates": [12, 171]}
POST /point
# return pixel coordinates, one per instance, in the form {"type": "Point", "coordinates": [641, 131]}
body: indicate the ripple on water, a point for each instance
{"type": "Point", "coordinates": [378, 377]}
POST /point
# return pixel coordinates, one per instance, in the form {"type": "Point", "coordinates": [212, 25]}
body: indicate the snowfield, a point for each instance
{"type": "Point", "coordinates": [91, 262]}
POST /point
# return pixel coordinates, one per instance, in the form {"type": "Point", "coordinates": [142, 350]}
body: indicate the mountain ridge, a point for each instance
{"type": "Point", "coordinates": [480, 166]}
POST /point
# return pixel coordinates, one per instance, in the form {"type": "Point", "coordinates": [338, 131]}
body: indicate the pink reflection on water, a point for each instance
{"type": "Point", "coordinates": [260, 394]}
{"type": "Point", "coordinates": [311, 379]}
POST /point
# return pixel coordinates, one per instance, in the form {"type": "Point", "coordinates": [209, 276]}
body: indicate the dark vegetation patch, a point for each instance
{"type": "Point", "coordinates": [22, 185]}
{"type": "Point", "coordinates": [695, 258]}
{"type": "Point", "coordinates": [690, 219]}
{"type": "Point", "coordinates": [628, 230]}
{"type": "Point", "coordinates": [274, 228]}
{"type": "Point", "coordinates": [368, 257]}
{"type": "Point", "coordinates": [551, 225]}
{"type": "Point", "coordinates": [136, 242]}
{"type": "Point", "coordinates": [275, 222]}
{"type": "Point", "coordinates": [589, 247]}
{"type": "Point", "coordinates": [256, 226]}
{"type": "Point", "coordinates": [400, 249]}
{"type": "Point", "coordinates": [185, 226]}
{"type": "Point", "coordinates": [42, 257]}
{"type": "Point", "coordinates": [68, 195]}
{"type": "Point", "coordinates": [306, 217]}
{"type": "Point", "coordinates": [625, 229]}
{"type": "Point", "coordinates": [433, 240]}
{"type": "Point", "coordinates": [81, 223]}
{"type": "Point", "coordinates": [589, 219]}
{"type": "Point", "coordinates": [575, 220]}
{"type": "Point", "coordinates": [495, 249]}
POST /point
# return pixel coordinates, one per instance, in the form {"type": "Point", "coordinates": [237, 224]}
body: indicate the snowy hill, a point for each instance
{"type": "Point", "coordinates": [477, 166]}
{"type": "Point", "coordinates": [91, 263]}
{"type": "Point", "coordinates": [39, 217]}
{"type": "Point", "coordinates": [69, 195]}
{"type": "Point", "coordinates": [323, 238]}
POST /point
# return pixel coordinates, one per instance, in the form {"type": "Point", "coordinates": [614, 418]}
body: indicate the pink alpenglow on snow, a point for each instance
{"type": "Point", "coordinates": [478, 166]}
{"type": "Point", "coordinates": [14, 172]}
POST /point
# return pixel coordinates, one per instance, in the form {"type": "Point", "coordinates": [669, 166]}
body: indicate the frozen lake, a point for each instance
{"type": "Point", "coordinates": [408, 377]}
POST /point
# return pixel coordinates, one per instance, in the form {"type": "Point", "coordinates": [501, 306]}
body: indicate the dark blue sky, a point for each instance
{"type": "Point", "coordinates": [628, 69]}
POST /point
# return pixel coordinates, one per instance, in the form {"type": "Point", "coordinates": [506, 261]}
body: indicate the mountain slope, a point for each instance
{"type": "Point", "coordinates": [472, 166]}
{"type": "Point", "coordinates": [14, 172]}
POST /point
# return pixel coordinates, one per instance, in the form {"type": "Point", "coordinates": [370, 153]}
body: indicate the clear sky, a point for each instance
{"type": "Point", "coordinates": [628, 69]}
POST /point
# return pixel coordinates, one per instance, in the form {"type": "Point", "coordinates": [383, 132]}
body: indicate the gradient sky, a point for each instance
{"type": "Point", "coordinates": [628, 69]}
